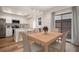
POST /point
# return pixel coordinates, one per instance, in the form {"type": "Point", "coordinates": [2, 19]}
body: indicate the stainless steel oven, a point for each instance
{"type": "Point", "coordinates": [15, 25]}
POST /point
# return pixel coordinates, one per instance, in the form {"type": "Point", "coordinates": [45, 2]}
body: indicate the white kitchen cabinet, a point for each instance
{"type": "Point", "coordinates": [8, 20]}
{"type": "Point", "coordinates": [8, 32]}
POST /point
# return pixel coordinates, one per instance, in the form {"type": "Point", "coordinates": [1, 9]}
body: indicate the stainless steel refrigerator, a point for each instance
{"type": "Point", "coordinates": [2, 28]}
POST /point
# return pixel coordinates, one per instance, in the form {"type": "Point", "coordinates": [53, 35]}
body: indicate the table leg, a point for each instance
{"type": "Point", "coordinates": [30, 45]}
{"type": "Point", "coordinates": [46, 47]}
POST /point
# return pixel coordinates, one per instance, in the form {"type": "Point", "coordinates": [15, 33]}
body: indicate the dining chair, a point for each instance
{"type": "Point", "coordinates": [35, 30]}
{"type": "Point", "coordinates": [59, 46]}
{"type": "Point", "coordinates": [34, 48]}
{"type": "Point", "coordinates": [55, 30]}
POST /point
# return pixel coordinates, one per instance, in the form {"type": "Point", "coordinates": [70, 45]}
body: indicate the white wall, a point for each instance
{"type": "Point", "coordinates": [47, 20]}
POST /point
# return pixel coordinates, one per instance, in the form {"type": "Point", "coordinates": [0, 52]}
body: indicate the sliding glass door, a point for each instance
{"type": "Point", "coordinates": [63, 23]}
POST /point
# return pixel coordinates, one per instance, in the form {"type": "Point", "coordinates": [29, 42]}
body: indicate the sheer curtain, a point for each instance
{"type": "Point", "coordinates": [52, 21]}
{"type": "Point", "coordinates": [75, 27]}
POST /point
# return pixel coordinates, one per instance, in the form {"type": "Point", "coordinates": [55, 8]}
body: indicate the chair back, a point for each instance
{"type": "Point", "coordinates": [64, 36]}
{"type": "Point", "coordinates": [25, 41]}
{"type": "Point", "coordinates": [35, 30]}
{"type": "Point", "coordinates": [56, 30]}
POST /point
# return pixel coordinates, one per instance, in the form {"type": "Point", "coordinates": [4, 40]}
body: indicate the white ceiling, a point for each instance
{"type": "Point", "coordinates": [23, 10]}
{"type": "Point", "coordinates": [28, 10]}
{"type": "Point", "coordinates": [30, 7]}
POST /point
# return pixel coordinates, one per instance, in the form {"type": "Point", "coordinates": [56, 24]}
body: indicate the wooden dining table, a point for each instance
{"type": "Point", "coordinates": [44, 39]}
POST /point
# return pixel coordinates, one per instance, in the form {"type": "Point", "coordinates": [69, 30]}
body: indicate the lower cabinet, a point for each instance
{"type": "Point", "coordinates": [8, 32]}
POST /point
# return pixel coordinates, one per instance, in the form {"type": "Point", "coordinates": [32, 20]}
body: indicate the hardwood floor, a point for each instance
{"type": "Point", "coordinates": [9, 45]}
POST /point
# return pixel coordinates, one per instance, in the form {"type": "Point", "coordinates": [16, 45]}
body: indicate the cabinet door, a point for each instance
{"type": "Point", "coordinates": [8, 32]}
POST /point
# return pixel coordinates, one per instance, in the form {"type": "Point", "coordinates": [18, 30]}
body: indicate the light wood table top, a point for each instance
{"type": "Point", "coordinates": [45, 39]}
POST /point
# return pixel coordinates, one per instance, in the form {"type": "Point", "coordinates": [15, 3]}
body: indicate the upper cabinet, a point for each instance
{"type": "Point", "coordinates": [8, 19]}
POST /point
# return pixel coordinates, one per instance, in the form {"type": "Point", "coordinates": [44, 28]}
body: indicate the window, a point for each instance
{"type": "Point", "coordinates": [39, 21]}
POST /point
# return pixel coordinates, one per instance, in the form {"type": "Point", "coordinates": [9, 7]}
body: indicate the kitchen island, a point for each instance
{"type": "Point", "coordinates": [16, 34]}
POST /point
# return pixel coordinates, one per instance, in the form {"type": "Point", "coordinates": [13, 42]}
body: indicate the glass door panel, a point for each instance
{"type": "Point", "coordinates": [63, 23]}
